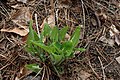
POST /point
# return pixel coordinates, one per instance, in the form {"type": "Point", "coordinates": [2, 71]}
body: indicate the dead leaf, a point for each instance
{"type": "Point", "coordinates": [84, 75]}
{"type": "Point", "coordinates": [15, 6]}
{"type": "Point", "coordinates": [115, 34]}
{"type": "Point", "coordinates": [94, 22]}
{"type": "Point", "coordinates": [117, 38]}
{"type": "Point", "coordinates": [113, 27]}
{"type": "Point", "coordinates": [23, 1]}
{"type": "Point", "coordinates": [22, 73]}
{"type": "Point", "coordinates": [22, 17]}
{"type": "Point", "coordinates": [21, 32]}
{"type": "Point", "coordinates": [107, 41]}
{"type": "Point", "coordinates": [111, 42]}
{"type": "Point", "coordinates": [103, 39]}
{"type": "Point", "coordinates": [49, 20]}
{"type": "Point", "coordinates": [118, 59]}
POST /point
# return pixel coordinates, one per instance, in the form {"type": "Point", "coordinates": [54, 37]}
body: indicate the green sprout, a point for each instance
{"type": "Point", "coordinates": [53, 43]}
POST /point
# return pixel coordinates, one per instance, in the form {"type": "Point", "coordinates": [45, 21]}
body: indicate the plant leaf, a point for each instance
{"type": "Point", "coordinates": [67, 48]}
{"type": "Point", "coordinates": [80, 49]}
{"type": "Point", "coordinates": [54, 34]}
{"type": "Point", "coordinates": [32, 34]}
{"type": "Point", "coordinates": [46, 48]}
{"type": "Point", "coordinates": [75, 37]}
{"type": "Point", "coordinates": [33, 67]}
{"type": "Point", "coordinates": [62, 33]}
{"type": "Point", "coordinates": [57, 46]}
{"type": "Point", "coordinates": [56, 58]}
{"type": "Point", "coordinates": [46, 29]}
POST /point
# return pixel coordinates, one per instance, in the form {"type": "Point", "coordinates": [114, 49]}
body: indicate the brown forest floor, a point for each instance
{"type": "Point", "coordinates": [97, 18]}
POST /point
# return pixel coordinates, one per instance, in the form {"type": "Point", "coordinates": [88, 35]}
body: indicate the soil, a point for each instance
{"type": "Point", "coordinates": [95, 17]}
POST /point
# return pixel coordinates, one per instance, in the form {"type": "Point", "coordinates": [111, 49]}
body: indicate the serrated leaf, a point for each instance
{"type": "Point", "coordinates": [80, 49]}
{"type": "Point", "coordinates": [46, 48]}
{"type": "Point", "coordinates": [62, 33]}
{"type": "Point", "coordinates": [57, 46]}
{"type": "Point", "coordinates": [32, 34]}
{"type": "Point", "coordinates": [33, 67]}
{"type": "Point", "coordinates": [54, 34]}
{"type": "Point", "coordinates": [56, 58]}
{"type": "Point", "coordinates": [46, 29]}
{"type": "Point", "coordinates": [67, 48]}
{"type": "Point", "coordinates": [30, 49]}
{"type": "Point", "coordinates": [75, 37]}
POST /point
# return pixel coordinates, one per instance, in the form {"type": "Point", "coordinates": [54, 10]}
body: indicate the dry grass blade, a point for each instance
{"type": "Point", "coordinates": [104, 76]}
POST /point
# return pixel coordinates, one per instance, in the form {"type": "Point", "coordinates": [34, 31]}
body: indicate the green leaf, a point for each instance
{"type": "Point", "coordinates": [75, 37]}
{"type": "Point", "coordinates": [46, 48]}
{"type": "Point", "coordinates": [67, 48]}
{"type": "Point", "coordinates": [62, 33]}
{"type": "Point", "coordinates": [46, 29]}
{"type": "Point", "coordinates": [56, 58]}
{"type": "Point", "coordinates": [57, 46]}
{"type": "Point", "coordinates": [32, 34]}
{"type": "Point", "coordinates": [33, 67]}
{"type": "Point", "coordinates": [80, 49]}
{"type": "Point", "coordinates": [30, 49]}
{"type": "Point", "coordinates": [54, 34]}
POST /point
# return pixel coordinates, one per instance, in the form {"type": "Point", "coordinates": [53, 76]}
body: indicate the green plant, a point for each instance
{"type": "Point", "coordinates": [52, 44]}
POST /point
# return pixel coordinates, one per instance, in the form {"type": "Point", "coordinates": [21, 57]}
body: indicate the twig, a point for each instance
{"type": "Point", "coordinates": [52, 7]}
{"type": "Point", "coordinates": [56, 12]}
{"type": "Point", "coordinates": [83, 10]}
{"type": "Point", "coordinates": [94, 71]}
{"type": "Point", "coordinates": [104, 76]}
{"type": "Point", "coordinates": [3, 56]}
{"type": "Point", "coordinates": [37, 25]}
{"type": "Point", "coordinates": [65, 10]}
{"type": "Point", "coordinates": [47, 73]}
{"type": "Point", "coordinates": [43, 74]}
{"type": "Point", "coordinates": [5, 10]}
{"type": "Point", "coordinates": [97, 49]}
{"type": "Point", "coordinates": [104, 7]}
{"type": "Point", "coordinates": [37, 74]}
{"type": "Point", "coordinates": [8, 63]}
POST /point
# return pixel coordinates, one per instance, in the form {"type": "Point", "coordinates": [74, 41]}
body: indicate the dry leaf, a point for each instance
{"type": "Point", "coordinates": [103, 39]}
{"type": "Point", "coordinates": [117, 38]}
{"type": "Point", "coordinates": [49, 20]}
{"type": "Point", "coordinates": [111, 42]}
{"type": "Point", "coordinates": [15, 6]}
{"type": "Point", "coordinates": [24, 1]}
{"type": "Point", "coordinates": [22, 73]}
{"type": "Point", "coordinates": [114, 29]}
{"type": "Point", "coordinates": [22, 17]}
{"type": "Point", "coordinates": [21, 32]}
{"type": "Point", "coordinates": [118, 59]}
{"type": "Point", "coordinates": [115, 34]}
{"type": "Point", "coordinates": [107, 41]}
{"type": "Point", "coordinates": [84, 75]}
{"type": "Point", "coordinates": [94, 22]}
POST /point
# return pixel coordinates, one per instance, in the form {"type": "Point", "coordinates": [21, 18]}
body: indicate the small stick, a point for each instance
{"type": "Point", "coordinates": [102, 68]}
{"type": "Point", "coordinates": [37, 25]}
{"type": "Point", "coordinates": [37, 74]}
{"type": "Point", "coordinates": [94, 71]}
{"type": "Point", "coordinates": [83, 10]}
